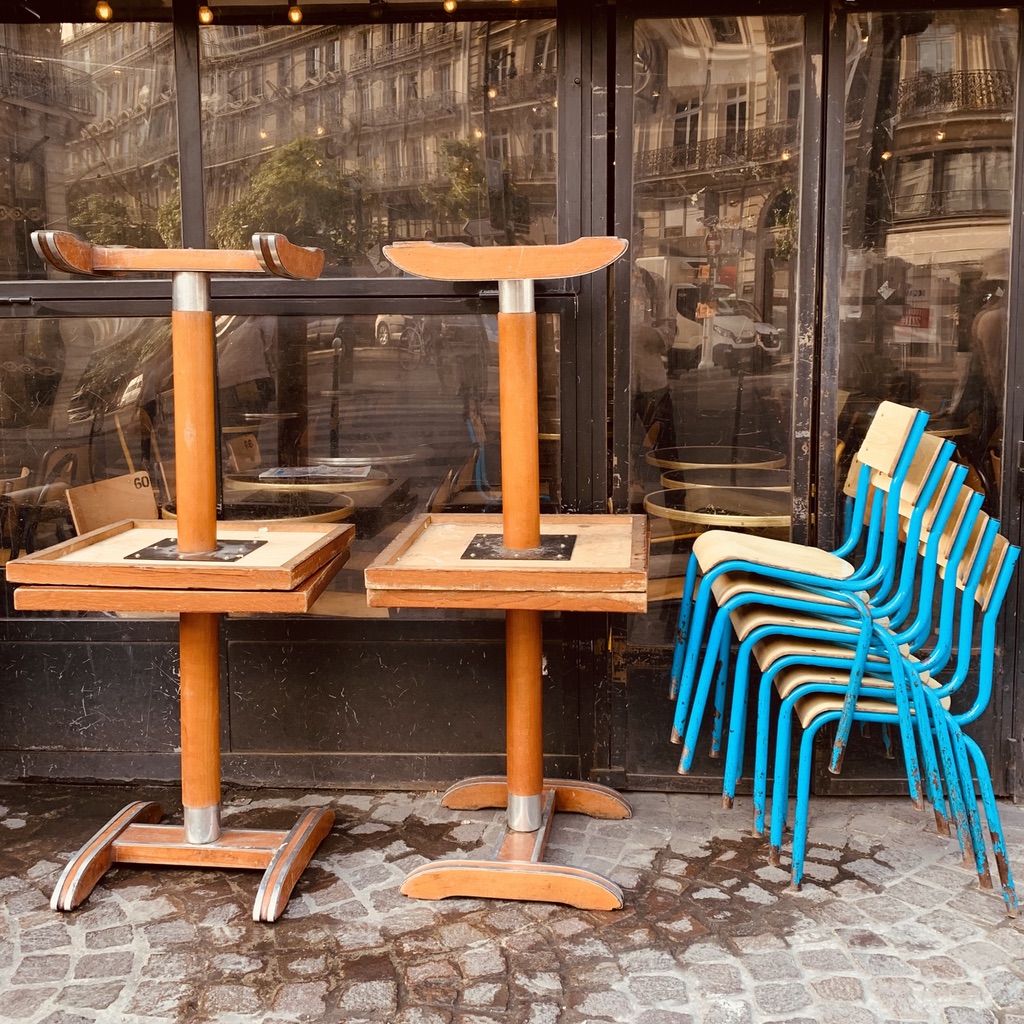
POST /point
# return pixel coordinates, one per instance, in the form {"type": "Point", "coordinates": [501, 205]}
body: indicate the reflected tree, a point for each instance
{"type": "Point", "coordinates": [108, 220]}
{"type": "Point", "coordinates": [297, 191]}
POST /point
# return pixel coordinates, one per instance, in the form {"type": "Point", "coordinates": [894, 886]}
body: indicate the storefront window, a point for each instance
{"type": "Point", "coordinates": [88, 138]}
{"type": "Point", "coordinates": [929, 130]}
{"type": "Point", "coordinates": [366, 420]}
{"type": "Point", "coordinates": [716, 177]}
{"type": "Point", "coordinates": [371, 134]}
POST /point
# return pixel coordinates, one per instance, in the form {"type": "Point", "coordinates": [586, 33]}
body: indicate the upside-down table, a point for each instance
{"type": "Point", "coordinates": [524, 563]}
{"type": "Point", "coordinates": [198, 568]}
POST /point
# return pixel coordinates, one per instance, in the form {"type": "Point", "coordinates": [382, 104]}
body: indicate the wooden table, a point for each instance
{"type": "Point", "coordinates": [197, 568]}
{"type": "Point", "coordinates": [523, 563]}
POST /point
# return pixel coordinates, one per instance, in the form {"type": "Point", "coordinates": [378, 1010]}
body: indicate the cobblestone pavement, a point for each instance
{"type": "Point", "coordinates": [891, 927]}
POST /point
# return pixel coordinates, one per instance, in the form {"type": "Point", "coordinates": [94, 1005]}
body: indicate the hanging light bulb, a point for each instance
{"type": "Point", "coordinates": [449, 6]}
{"type": "Point", "coordinates": [205, 15]}
{"type": "Point", "coordinates": [104, 11]}
{"type": "Point", "coordinates": [295, 14]}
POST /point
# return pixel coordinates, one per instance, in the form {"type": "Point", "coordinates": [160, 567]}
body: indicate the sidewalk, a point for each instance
{"type": "Point", "coordinates": [892, 928]}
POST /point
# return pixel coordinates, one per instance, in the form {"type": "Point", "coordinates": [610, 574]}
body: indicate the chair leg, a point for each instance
{"type": "Point", "coordinates": [688, 727]}
{"type": "Point", "coordinates": [994, 824]}
{"type": "Point", "coordinates": [720, 683]}
{"type": "Point", "coordinates": [962, 813]}
{"type": "Point", "coordinates": [780, 781]}
{"type": "Point", "coordinates": [682, 625]}
{"type": "Point", "coordinates": [805, 769]}
{"type": "Point", "coordinates": [737, 728]}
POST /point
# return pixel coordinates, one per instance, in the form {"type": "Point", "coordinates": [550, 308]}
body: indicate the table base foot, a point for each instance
{"type": "Point", "coordinates": [512, 880]}
{"type": "Point", "coordinates": [517, 870]}
{"type": "Point", "coordinates": [577, 797]}
{"type": "Point", "coordinates": [133, 836]}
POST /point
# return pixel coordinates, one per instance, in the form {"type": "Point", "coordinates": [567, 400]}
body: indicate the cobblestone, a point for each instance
{"type": "Point", "coordinates": [888, 928]}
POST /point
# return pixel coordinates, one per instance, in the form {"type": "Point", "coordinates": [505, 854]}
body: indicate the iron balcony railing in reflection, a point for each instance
{"type": "Point", "coordinates": [537, 168]}
{"type": "Point", "coordinates": [765, 145]}
{"type": "Point", "coordinates": [976, 91]}
{"type": "Point", "coordinates": [523, 88]}
{"type": "Point", "coordinates": [44, 81]}
{"type": "Point", "coordinates": [400, 49]}
{"type": "Point", "coordinates": [440, 104]}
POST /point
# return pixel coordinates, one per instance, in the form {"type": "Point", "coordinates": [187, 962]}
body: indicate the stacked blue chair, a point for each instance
{"type": "Point", "coordinates": [753, 608]}
{"type": "Point", "coordinates": [922, 700]}
{"type": "Point", "coordinates": [852, 636]}
{"type": "Point", "coordinates": [735, 565]}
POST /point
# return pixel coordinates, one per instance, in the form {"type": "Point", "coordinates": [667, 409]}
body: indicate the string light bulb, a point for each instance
{"type": "Point", "coordinates": [205, 15]}
{"type": "Point", "coordinates": [295, 14]}
{"type": "Point", "coordinates": [104, 11]}
{"type": "Point", "coordinates": [449, 6]}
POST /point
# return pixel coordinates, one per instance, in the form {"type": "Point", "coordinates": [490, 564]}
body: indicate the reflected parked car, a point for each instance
{"type": "Point", "coordinates": [741, 340]}
{"type": "Point", "coordinates": [388, 327]}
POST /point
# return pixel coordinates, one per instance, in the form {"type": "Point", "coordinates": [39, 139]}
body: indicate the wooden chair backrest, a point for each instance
{"type": "Point", "coordinates": [13, 483]}
{"type": "Point", "coordinates": [996, 557]}
{"type": "Point", "coordinates": [886, 437]}
{"type": "Point", "coordinates": [109, 501]}
{"type": "Point", "coordinates": [243, 452]}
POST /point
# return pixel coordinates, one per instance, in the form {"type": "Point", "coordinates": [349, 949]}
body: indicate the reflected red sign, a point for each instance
{"type": "Point", "coordinates": [914, 317]}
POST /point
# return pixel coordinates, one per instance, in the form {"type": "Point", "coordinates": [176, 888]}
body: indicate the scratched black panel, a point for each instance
{"type": "Point", "coordinates": [89, 696]}
{"type": "Point", "coordinates": [420, 696]}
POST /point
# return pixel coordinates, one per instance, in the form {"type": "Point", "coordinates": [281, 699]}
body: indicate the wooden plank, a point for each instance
{"type": "Point", "coordinates": [142, 599]}
{"type": "Point", "coordinates": [513, 880]}
{"type": "Point", "coordinates": [166, 844]}
{"type": "Point", "coordinates": [281, 258]}
{"type": "Point", "coordinates": [271, 253]}
{"type": "Point", "coordinates": [453, 261]}
{"type": "Point", "coordinates": [121, 497]}
{"type": "Point", "coordinates": [589, 798]}
{"type": "Point", "coordinates": [609, 554]}
{"type": "Point", "coordinates": [503, 600]}
{"type": "Point", "coordinates": [96, 857]}
{"type": "Point", "coordinates": [292, 551]}
{"type": "Point", "coordinates": [290, 861]}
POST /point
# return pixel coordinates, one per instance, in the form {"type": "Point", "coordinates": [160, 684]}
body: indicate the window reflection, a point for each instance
{"type": "Point", "coordinates": [88, 135]}
{"type": "Point", "coordinates": [332, 418]}
{"type": "Point", "coordinates": [357, 136]}
{"type": "Point", "coordinates": [716, 158]}
{"type": "Point", "coordinates": [929, 129]}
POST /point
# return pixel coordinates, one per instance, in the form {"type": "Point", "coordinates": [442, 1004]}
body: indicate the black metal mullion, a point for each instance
{"type": "Point", "coordinates": [190, 135]}
{"type": "Point", "coordinates": [1007, 706]}
{"type": "Point", "coordinates": [815, 358]}
{"type": "Point", "coordinates": [622, 202]}
{"type": "Point", "coordinates": [569, 206]}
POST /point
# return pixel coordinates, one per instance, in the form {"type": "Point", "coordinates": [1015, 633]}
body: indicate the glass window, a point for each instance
{"type": "Point", "coordinates": [716, 179]}
{"type": "Point", "coordinates": [926, 225]}
{"type": "Point", "coordinates": [373, 157]}
{"type": "Point", "coordinates": [88, 138]}
{"type": "Point", "coordinates": [368, 420]}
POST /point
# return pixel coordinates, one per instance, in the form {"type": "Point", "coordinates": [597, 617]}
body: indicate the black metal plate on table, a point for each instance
{"type": "Point", "coordinates": [554, 547]}
{"type": "Point", "coordinates": [166, 550]}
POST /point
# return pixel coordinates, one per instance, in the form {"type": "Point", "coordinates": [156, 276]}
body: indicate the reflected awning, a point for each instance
{"type": "Point", "coordinates": [966, 243]}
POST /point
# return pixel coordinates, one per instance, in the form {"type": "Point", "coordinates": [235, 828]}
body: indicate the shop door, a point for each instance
{"type": "Point", "coordinates": [786, 278]}
{"type": "Point", "coordinates": [924, 272]}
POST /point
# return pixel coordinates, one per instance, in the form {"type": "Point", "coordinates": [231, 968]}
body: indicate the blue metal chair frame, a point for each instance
{"type": "Point", "coordinates": [820, 602]}
{"type": "Point", "coordinates": [876, 574]}
{"type": "Point", "coordinates": [915, 702]}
